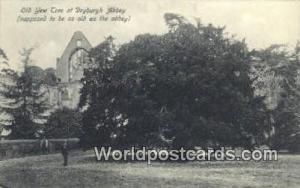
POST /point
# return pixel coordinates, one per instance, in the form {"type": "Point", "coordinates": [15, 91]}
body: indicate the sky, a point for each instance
{"type": "Point", "coordinates": [261, 23]}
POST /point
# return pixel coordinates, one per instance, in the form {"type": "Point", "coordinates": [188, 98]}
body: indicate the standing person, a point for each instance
{"type": "Point", "coordinates": [46, 149]}
{"type": "Point", "coordinates": [44, 143]}
{"type": "Point", "coordinates": [64, 152]}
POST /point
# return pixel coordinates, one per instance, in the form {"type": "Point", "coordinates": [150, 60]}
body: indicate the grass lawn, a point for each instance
{"type": "Point", "coordinates": [84, 171]}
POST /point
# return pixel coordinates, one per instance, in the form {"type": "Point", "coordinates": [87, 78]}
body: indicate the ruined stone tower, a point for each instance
{"type": "Point", "coordinates": [69, 71]}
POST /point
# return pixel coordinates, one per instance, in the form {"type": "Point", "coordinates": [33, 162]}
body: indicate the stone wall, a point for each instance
{"type": "Point", "coordinates": [21, 148]}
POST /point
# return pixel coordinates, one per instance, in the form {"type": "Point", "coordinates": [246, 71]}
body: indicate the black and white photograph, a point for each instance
{"type": "Point", "coordinates": [161, 93]}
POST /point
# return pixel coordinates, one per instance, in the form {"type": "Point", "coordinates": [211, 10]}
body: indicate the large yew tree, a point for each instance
{"type": "Point", "coordinates": [188, 87]}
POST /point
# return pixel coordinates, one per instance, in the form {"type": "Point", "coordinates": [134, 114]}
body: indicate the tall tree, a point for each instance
{"type": "Point", "coordinates": [4, 117]}
{"type": "Point", "coordinates": [188, 87]}
{"type": "Point", "coordinates": [96, 95]}
{"type": "Point", "coordinates": [24, 99]}
{"type": "Point", "coordinates": [3, 57]}
{"type": "Point", "coordinates": [278, 79]}
{"type": "Point", "coordinates": [63, 123]}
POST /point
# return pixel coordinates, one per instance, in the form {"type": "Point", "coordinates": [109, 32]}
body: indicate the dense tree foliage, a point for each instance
{"type": "Point", "coordinates": [3, 57]}
{"type": "Point", "coordinates": [4, 117]}
{"type": "Point", "coordinates": [188, 87]}
{"type": "Point", "coordinates": [24, 101]}
{"type": "Point", "coordinates": [63, 123]}
{"type": "Point", "coordinates": [282, 87]}
{"type": "Point", "coordinates": [193, 86]}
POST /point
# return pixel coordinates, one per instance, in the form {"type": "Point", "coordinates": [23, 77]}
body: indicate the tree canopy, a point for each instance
{"type": "Point", "coordinates": [279, 80]}
{"type": "Point", "coordinates": [24, 101]}
{"type": "Point", "coordinates": [63, 123]}
{"type": "Point", "coordinates": [188, 87]}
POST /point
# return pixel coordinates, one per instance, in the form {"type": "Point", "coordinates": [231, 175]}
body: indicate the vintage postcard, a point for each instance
{"type": "Point", "coordinates": [161, 93]}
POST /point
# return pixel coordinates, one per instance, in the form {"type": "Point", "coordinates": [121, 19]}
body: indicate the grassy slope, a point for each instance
{"type": "Point", "coordinates": [84, 171]}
